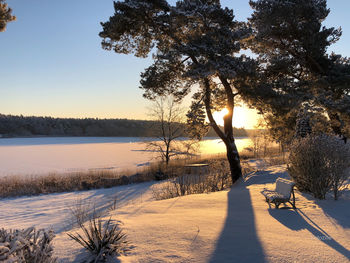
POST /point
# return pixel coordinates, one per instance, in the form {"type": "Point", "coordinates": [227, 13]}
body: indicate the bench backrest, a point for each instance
{"type": "Point", "coordinates": [284, 187]}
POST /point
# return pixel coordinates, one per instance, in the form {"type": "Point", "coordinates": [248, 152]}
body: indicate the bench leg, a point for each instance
{"type": "Point", "coordinates": [293, 204]}
{"type": "Point", "coordinates": [269, 203]}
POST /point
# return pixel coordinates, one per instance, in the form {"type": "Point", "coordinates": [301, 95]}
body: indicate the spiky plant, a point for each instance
{"type": "Point", "coordinates": [26, 245]}
{"type": "Point", "coordinates": [101, 240]}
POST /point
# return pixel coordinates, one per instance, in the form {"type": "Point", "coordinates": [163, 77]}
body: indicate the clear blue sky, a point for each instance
{"type": "Point", "coordinates": [52, 63]}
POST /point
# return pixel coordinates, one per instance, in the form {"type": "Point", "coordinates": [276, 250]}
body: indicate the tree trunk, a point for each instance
{"type": "Point", "coordinates": [337, 125]}
{"type": "Point", "coordinates": [231, 148]}
{"type": "Point", "coordinates": [226, 136]}
{"type": "Point", "coordinates": [167, 154]}
{"type": "Point", "coordinates": [234, 161]}
{"type": "Point", "coordinates": [167, 160]}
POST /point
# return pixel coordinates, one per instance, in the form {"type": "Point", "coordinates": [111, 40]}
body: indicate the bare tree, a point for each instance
{"type": "Point", "coordinates": [170, 130]}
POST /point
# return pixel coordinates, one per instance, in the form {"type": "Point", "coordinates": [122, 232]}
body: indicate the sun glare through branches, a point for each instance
{"type": "Point", "coordinates": [242, 117]}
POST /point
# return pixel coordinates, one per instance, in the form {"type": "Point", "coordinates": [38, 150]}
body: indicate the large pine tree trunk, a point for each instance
{"type": "Point", "coordinates": [226, 136]}
{"type": "Point", "coordinates": [231, 148]}
{"type": "Point", "coordinates": [234, 161]}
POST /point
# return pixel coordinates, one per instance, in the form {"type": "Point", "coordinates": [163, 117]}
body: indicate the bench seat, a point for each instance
{"type": "Point", "coordinates": [282, 193]}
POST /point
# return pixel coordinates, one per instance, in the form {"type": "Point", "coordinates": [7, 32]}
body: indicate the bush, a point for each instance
{"type": "Point", "coordinates": [101, 240]}
{"type": "Point", "coordinates": [319, 164]}
{"type": "Point", "coordinates": [217, 179]}
{"type": "Point", "coordinates": [27, 245]}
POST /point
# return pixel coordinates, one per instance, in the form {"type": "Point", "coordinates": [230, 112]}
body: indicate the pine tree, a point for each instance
{"type": "Point", "coordinates": [292, 45]}
{"type": "Point", "coordinates": [195, 42]}
{"type": "Point", "coordinates": [5, 15]}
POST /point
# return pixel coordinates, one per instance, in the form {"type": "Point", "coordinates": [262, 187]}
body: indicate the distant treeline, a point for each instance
{"type": "Point", "coordinates": [20, 126]}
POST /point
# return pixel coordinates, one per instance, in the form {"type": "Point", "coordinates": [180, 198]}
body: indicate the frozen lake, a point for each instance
{"type": "Point", "coordinates": [31, 156]}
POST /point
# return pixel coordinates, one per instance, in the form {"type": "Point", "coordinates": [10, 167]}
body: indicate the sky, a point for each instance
{"type": "Point", "coordinates": [52, 63]}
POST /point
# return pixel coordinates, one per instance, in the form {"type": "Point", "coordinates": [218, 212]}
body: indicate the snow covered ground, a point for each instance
{"type": "Point", "coordinates": [31, 156]}
{"type": "Point", "coordinates": [229, 226]}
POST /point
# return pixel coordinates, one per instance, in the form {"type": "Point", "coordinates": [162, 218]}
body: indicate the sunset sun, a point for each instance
{"type": "Point", "coordinates": [242, 117]}
{"type": "Point", "coordinates": [219, 116]}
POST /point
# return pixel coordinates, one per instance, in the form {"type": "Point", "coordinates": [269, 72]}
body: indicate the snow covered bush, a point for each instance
{"type": "Point", "coordinates": [217, 179]}
{"type": "Point", "coordinates": [319, 164]}
{"type": "Point", "coordinates": [101, 240]}
{"type": "Point", "coordinates": [29, 245]}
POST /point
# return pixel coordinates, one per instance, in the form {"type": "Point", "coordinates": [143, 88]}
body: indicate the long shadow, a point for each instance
{"type": "Point", "coordinates": [265, 177]}
{"type": "Point", "coordinates": [337, 210]}
{"type": "Point", "coordinates": [102, 199]}
{"type": "Point", "coordinates": [297, 220]}
{"type": "Point", "coordinates": [238, 241]}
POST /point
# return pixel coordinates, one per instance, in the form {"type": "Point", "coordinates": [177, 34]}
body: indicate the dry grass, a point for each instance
{"type": "Point", "coordinates": [13, 186]}
{"type": "Point", "coordinates": [276, 159]}
{"type": "Point", "coordinates": [216, 179]}
{"type": "Point", "coordinates": [55, 182]}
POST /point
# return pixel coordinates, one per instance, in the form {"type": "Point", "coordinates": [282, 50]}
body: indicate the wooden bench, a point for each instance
{"type": "Point", "coordinates": [282, 194]}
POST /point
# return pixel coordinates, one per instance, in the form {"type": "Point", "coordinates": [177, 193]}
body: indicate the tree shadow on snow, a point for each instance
{"type": "Point", "coordinates": [297, 220]}
{"type": "Point", "coordinates": [101, 200]}
{"type": "Point", "coordinates": [238, 241]}
{"type": "Point", "coordinates": [336, 210]}
{"type": "Point", "coordinates": [265, 177]}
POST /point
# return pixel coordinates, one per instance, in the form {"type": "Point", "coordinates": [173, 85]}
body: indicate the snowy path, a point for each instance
{"type": "Point", "coordinates": [238, 226]}
{"type": "Point", "coordinates": [227, 226]}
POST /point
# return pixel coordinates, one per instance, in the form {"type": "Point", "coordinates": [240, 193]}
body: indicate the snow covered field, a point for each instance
{"type": "Point", "coordinates": [229, 226]}
{"type": "Point", "coordinates": [26, 156]}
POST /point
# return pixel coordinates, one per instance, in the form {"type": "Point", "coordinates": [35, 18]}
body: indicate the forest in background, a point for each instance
{"type": "Point", "coordinates": [22, 126]}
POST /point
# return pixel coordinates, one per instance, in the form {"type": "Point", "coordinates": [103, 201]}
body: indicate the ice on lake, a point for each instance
{"type": "Point", "coordinates": [31, 156]}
